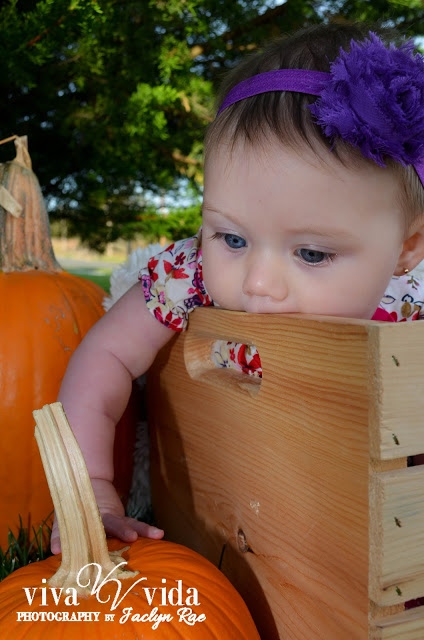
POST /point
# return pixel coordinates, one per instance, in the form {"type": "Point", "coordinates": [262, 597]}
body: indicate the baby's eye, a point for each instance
{"type": "Point", "coordinates": [233, 241]}
{"type": "Point", "coordinates": [312, 256]}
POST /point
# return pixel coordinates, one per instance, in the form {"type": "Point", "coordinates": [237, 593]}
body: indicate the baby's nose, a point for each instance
{"type": "Point", "coordinates": [266, 279]}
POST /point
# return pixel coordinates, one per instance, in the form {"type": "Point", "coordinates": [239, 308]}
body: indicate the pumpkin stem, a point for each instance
{"type": "Point", "coordinates": [9, 139]}
{"type": "Point", "coordinates": [25, 242]}
{"type": "Point", "coordinates": [82, 535]}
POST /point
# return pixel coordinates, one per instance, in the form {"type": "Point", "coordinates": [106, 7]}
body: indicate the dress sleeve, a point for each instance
{"type": "Point", "coordinates": [173, 283]}
{"type": "Point", "coordinates": [403, 300]}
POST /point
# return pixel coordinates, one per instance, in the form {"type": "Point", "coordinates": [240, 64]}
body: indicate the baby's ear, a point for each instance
{"type": "Point", "coordinates": [413, 248]}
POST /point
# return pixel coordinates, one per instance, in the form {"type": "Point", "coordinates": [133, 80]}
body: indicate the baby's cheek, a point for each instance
{"type": "Point", "coordinates": [221, 278]}
{"type": "Point", "coordinates": [207, 280]}
{"type": "Point", "coordinates": [216, 287]}
{"type": "Point", "coordinates": [210, 271]}
{"type": "Point", "coordinates": [214, 290]}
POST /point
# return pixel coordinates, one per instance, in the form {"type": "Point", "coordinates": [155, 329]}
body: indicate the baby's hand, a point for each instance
{"type": "Point", "coordinates": [115, 522]}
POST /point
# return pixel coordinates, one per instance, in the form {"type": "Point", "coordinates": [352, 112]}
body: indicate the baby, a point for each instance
{"type": "Point", "coordinates": [313, 203]}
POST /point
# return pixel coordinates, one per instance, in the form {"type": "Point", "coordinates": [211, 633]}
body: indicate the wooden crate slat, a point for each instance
{"type": "Point", "coordinates": [396, 426]}
{"type": "Point", "coordinates": [397, 536]}
{"type": "Point", "coordinates": [320, 341]}
{"type": "Point", "coordinates": [408, 625]}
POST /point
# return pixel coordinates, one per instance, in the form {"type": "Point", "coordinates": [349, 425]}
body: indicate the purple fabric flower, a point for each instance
{"type": "Point", "coordinates": [198, 282]}
{"type": "Point", "coordinates": [375, 101]}
{"type": "Point", "coordinates": [193, 302]}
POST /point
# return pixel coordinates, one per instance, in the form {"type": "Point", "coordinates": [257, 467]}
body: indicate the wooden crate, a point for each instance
{"type": "Point", "coordinates": [297, 484]}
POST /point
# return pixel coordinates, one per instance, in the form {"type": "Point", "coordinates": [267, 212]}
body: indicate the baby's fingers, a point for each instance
{"type": "Point", "coordinates": [126, 529]}
{"type": "Point", "coordinates": [146, 530]}
{"type": "Point", "coordinates": [129, 529]}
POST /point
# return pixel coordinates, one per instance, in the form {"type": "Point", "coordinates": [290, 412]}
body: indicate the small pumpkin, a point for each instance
{"type": "Point", "coordinates": [45, 314]}
{"type": "Point", "coordinates": [208, 607]}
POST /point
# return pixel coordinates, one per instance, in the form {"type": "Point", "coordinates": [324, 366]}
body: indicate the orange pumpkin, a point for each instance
{"type": "Point", "coordinates": [45, 314]}
{"type": "Point", "coordinates": [177, 594]}
{"type": "Point", "coordinates": [227, 616]}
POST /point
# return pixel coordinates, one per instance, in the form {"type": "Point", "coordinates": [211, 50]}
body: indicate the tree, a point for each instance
{"type": "Point", "coordinates": [115, 95]}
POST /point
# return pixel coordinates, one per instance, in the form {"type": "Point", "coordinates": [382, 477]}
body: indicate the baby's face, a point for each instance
{"type": "Point", "coordinates": [285, 233]}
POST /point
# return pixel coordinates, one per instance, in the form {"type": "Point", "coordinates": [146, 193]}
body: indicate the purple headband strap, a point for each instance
{"type": "Point", "coordinates": [300, 80]}
{"type": "Point", "coordinates": [372, 98]}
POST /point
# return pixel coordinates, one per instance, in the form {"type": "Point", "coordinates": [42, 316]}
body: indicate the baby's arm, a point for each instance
{"type": "Point", "coordinates": [95, 391]}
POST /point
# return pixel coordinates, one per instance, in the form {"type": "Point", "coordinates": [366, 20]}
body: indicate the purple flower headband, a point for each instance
{"type": "Point", "coordinates": [372, 98]}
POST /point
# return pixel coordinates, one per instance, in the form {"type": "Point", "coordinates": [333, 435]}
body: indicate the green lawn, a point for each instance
{"type": "Point", "coordinates": [103, 279]}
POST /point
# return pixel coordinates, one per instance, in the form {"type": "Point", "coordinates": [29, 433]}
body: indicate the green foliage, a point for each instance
{"type": "Point", "coordinates": [147, 108]}
{"type": "Point", "coordinates": [22, 550]}
{"type": "Point", "coordinates": [179, 223]}
{"type": "Point", "coordinates": [115, 95]}
{"type": "Point", "coordinates": [410, 4]}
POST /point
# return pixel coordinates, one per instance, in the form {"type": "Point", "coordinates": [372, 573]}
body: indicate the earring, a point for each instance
{"type": "Point", "coordinates": [406, 271]}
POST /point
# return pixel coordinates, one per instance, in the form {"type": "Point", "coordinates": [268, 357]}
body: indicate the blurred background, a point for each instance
{"type": "Point", "coordinates": [115, 96]}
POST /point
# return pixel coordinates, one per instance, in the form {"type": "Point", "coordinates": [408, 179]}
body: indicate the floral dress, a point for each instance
{"type": "Point", "coordinates": [173, 286]}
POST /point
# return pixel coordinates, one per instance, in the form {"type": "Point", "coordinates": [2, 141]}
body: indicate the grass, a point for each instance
{"type": "Point", "coordinates": [22, 550]}
{"type": "Point", "coordinates": [102, 279]}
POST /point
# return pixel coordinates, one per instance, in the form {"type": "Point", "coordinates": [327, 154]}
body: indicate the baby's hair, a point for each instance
{"type": "Point", "coordinates": [285, 115]}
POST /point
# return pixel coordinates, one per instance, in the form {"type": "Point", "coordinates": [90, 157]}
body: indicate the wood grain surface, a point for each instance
{"type": "Point", "coordinates": [293, 483]}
